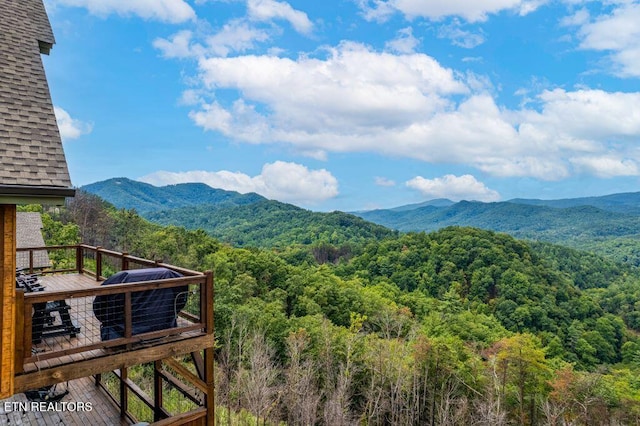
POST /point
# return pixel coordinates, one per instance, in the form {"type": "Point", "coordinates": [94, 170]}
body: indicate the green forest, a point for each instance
{"type": "Point", "coordinates": [351, 323]}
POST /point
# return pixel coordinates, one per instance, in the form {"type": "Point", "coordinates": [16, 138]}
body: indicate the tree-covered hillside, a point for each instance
{"type": "Point", "coordinates": [144, 198]}
{"type": "Point", "coordinates": [272, 224]}
{"type": "Point", "coordinates": [460, 326]}
{"type": "Point", "coordinates": [585, 227]}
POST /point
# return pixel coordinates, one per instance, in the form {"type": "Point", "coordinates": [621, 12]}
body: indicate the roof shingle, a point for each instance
{"type": "Point", "coordinates": [31, 152]}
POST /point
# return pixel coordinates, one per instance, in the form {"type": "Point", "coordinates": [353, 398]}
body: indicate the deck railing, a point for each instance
{"type": "Point", "coordinates": [195, 316]}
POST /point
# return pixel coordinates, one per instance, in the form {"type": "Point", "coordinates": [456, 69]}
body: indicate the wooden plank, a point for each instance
{"type": "Point", "coordinates": [45, 296]}
{"type": "Point", "coordinates": [142, 339]}
{"type": "Point", "coordinates": [7, 298]}
{"type": "Point", "coordinates": [198, 361]}
{"type": "Point", "coordinates": [184, 372]}
{"type": "Point", "coordinates": [180, 387]}
{"type": "Point", "coordinates": [182, 419]}
{"type": "Point", "coordinates": [109, 363]}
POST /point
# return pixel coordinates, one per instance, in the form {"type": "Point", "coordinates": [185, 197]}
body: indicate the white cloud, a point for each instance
{"type": "Point", "coordinates": [267, 10]}
{"type": "Point", "coordinates": [455, 188]}
{"type": "Point", "coordinates": [404, 42]}
{"type": "Point", "coordinates": [471, 11]}
{"type": "Point", "coordinates": [177, 46]}
{"type": "Point", "coordinates": [618, 33]}
{"type": "Point", "coordinates": [236, 36]}
{"type": "Point", "coordinates": [354, 90]}
{"type": "Point", "coordinates": [407, 105]}
{"type": "Point", "coordinates": [460, 37]}
{"type": "Point", "coordinates": [282, 181]}
{"type": "Point", "coordinates": [383, 181]}
{"type": "Point", "coordinates": [606, 167]}
{"type": "Point", "coordinates": [172, 11]}
{"type": "Point", "coordinates": [70, 128]}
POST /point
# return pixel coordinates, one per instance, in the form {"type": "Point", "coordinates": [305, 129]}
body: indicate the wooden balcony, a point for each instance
{"type": "Point", "coordinates": [58, 336]}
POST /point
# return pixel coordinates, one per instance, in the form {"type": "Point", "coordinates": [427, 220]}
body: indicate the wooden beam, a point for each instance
{"type": "Point", "coordinates": [157, 391]}
{"type": "Point", "coordinates": [7, 299]}
{"type": "Point", "coordinates": [198, 361]}
{"type": "Point", "coordinates": [87, 368]}
{"type": "Point", "coordinates": [180, 387]}
{"type": "Point", "coordinates": [184, 372]}
{"type": "Point", "coordinates": [210, 379]}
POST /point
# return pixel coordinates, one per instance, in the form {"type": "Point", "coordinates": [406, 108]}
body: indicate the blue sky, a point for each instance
{"type": "Point", "coordinates": [353, 104]}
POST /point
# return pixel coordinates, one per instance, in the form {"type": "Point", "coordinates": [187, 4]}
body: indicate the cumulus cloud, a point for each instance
{"type": "Point", "coordinates": [618, 33]}
{"type": "Point", "coordinates": [356, 99]}
{"type": "Point", "coordinates": [353, 91]}
{"type": "Point", "coordinates": [236, 36]}
{"type": "Point", "coordinates": [456, 188]}
{"type": "Point", "coordinates": [267, 10]}
{"type": "Point", "coordinates": [172, 11]}
{"type": "Point", "coordinates": [176, 46]}
{"type": "Point", "coordinates": [471, 11]}
{"type": "Point", "coordinates": [606, 167]}
{"type": "Point", "coordinates": [70, 128]}
{"type": "Point", "coordinates": [282, 181]}
{"type": "Point", "coordinates": [404, 42]}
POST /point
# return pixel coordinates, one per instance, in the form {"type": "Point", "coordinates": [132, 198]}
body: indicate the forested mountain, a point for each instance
{"type": "Point", "coordinates": [459, 326]}
{"type": "Point", "coordinates": [607, 225]}
{"type": "Point", "coordinates": [621, 203]}
{"type": "Point", "coordinates": [144, 198]}
{"type": "Point", "coordinates": [611, 232]}
{"type": "Point", "coordinates": [268, 223]}
{"type": "Point", "coordinates": [238, 219]}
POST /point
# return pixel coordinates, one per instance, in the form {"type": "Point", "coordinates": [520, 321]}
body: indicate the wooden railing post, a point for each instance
{"type": "Point", "coordinates": [128, 313]}
{"type": "Point", "coordinates": [27, 327]}
{"type": "Point", "coordinates": [157, 391]}
{"type": "Point", "coordinates": [19, 359]}
{"type": "Point", "coordinates": [98, 263]}
{"type": "Point", "coordinates": [31, 261]}
{"type": "Point", "coordinates": [124, 394]}
{"type": "Point", "coordinates": [208, 293]}
{"type": "Point", "coordinates": [79, 259]}
{"type": "Point", "coordinates": [125, 261]}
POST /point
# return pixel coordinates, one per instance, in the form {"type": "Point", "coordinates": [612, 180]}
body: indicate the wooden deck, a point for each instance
{"type": "Point", "coordinates": [69, 281]}
{"type": "Point", "coordinates": [58, 341]}
{"type": "Point", "coordinates": [103, 411]}
{"type": "Point", "coordinates": [81, 317]}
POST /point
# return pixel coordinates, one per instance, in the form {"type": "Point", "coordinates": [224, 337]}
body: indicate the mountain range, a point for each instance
{"type": "Point", "coordinates": [608, 225]}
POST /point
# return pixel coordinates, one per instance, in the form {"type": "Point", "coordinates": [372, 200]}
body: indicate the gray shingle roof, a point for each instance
{"type": "Point", "coordinates": [29, 235]}
{"type": "Point", "coordinates": [31, 151]}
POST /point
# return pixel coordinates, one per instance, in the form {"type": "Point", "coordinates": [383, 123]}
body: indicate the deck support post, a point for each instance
{"type": "Point", "coordinates": [7, 298]}
{"type": "Point", "coordinates": [124, 395]}
{"type": "Point", "coordinates": [157, 391]}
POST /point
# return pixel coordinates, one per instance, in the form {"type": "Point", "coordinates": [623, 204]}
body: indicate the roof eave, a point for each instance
{"type": "Point", "coordinates": [24, 194]}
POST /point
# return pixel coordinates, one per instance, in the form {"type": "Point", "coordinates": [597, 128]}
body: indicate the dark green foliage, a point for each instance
{"type": "Point", "coordinates": [269, 223]}
{"type": "Point", "coordinates": [605, 225]}
{"type": "Point", "coordinates": [413, 319]}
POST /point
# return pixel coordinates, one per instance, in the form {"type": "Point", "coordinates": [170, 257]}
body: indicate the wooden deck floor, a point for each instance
{"type": "Point", "coordinates": [81, 316]}
{"type": "Point", "coordinates": [68, 281]}
{"type": "Point", "coordinates": [103, 411]}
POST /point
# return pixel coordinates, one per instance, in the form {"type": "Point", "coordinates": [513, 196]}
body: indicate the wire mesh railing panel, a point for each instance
{"type": "Point", "coordinates": [116, 317]}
